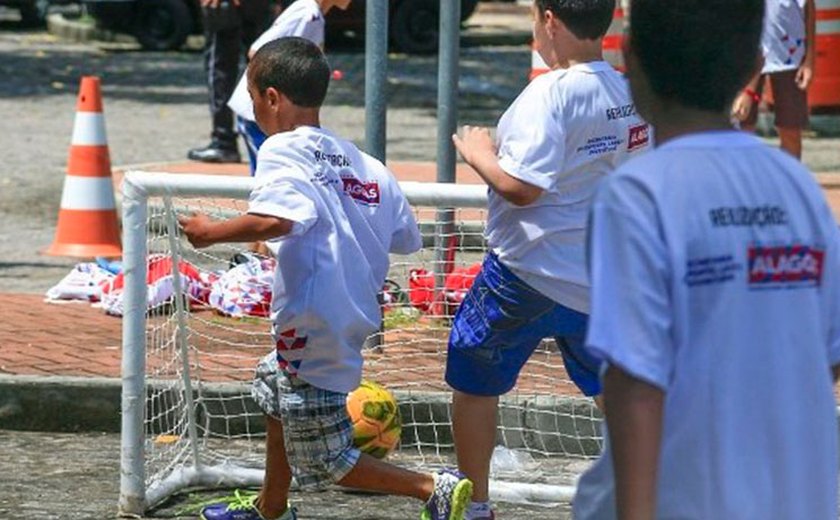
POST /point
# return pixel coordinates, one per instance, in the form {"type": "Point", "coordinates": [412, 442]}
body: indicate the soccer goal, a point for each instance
{"type": "Point", "coordinates": [189, 351]}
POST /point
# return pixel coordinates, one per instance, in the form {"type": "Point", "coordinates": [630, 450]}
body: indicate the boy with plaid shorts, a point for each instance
{"type": "Point", "coordinates": [568, 128]}
{"type": "Point", "coordinates": [331, 215]}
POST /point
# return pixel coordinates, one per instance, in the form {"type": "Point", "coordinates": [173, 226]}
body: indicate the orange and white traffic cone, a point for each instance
{"type": "Point", "coordinates": [614, 39]}
{"type": "Point", "coordinates": [87, 220]}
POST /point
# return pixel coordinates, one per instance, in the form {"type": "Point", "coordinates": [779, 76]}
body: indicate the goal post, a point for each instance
{"type": "Point", "coordinates": [187, 417]}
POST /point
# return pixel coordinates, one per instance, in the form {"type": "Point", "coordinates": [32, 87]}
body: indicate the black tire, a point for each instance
{"type": "Point", "coordinates": [33, 13]}
{"type": "Point", "coordinates": [162, 24]}
{"type": "Point", "coordinates": [468, 7]}
{"type": "Point", "coordinates": [414, 26]}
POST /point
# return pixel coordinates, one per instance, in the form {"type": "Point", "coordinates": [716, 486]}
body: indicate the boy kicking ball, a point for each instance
{"type": "Point", "coordinates": [331, 215]}
{"type": "Point", "coordinates": [715, 295]}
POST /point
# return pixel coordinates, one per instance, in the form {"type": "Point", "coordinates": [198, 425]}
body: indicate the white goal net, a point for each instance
{"type": "Point", "coordinates": [188, 418]}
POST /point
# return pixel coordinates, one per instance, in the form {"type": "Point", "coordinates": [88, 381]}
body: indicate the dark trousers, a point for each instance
{"type": "Point", "coordinates": [225, 44]}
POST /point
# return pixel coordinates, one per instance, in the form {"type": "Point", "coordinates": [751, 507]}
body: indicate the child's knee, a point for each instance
{"type": "Point", "coordinates": [321, 470]}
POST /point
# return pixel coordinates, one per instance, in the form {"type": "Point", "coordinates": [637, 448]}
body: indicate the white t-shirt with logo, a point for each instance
{"type": "Point", "coordinates": [349, 214]}
{"type": "Point", "coordinates": [716, 278]}
{"type": "Point", "coordinates": [783, 40]}
{"type": "Point", "coordinates": [304, 19]}
{"type": "Point", "coordinates": [565, 131]}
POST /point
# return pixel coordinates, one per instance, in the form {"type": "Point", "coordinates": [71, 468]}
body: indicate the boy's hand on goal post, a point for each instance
{"type": "Point", "coordinates": [195, 229]}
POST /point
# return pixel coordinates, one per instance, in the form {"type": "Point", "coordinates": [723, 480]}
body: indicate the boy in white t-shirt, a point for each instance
{"type": "Point", "coordinates": [331, 215]}
{"type": "Point", "coordinates": [788, 44]}
{"type": "Point", "coordinates": [568, 129]}
{"type": "Point", "coordinates": [715, 266]}
{"type": "Point", "coordinates": [303, 18]}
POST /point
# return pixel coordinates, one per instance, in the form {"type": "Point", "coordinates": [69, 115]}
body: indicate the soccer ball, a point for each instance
{"type": "Point", "coordinates": [376, 419]}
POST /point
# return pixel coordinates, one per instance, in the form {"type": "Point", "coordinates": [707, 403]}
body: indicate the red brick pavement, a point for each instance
{"type": "Point", "coordinates": [73, 339]}
{"type": "Point", "coordinates": [76, 339]}
{"type": "Point", "coordinates": [38, 338]}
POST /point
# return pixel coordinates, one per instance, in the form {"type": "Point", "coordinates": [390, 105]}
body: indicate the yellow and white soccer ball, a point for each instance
{"type": "Point", "coordinates": [377, 423]}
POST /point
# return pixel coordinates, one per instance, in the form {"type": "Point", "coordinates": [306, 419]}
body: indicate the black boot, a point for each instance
{"type": "Point", "coordinates": [215, 152]}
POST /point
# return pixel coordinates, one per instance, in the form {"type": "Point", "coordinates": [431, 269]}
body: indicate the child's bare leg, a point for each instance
{"type": "Point", "coordinates": [274, 494]}
{"type": "Point", "coordinates": [791, 141]}
{"type": "Point", "coordinates": [371, 474]}
{"type": "Point", "coordinates": [474, 428]}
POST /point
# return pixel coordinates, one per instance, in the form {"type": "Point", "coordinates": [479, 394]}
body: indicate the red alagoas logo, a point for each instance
{"type": "Point", "coordinates": [639, 136]}
{"type": "Point", "coordinates": [787, 265]}
{"type": "Point", "coordinates": [365, 192]}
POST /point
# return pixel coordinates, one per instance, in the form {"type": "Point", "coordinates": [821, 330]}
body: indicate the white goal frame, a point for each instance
{"type": "Point", "coordinates": [139, 190]}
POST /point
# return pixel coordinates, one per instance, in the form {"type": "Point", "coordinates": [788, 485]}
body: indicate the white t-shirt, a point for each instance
{"type": "Point", "coordinates": [565, 131]}
{"type": "Point", "coordinates": [349, 214]}
{"type": "Point", "coordinates": [304, 19]}
{"type": "Point", "coordinates": [716, 278]}
{"type": "Point", "coordinates": [783, 40]}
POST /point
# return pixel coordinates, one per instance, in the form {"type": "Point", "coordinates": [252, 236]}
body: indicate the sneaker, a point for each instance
{"type": "Point", "coordinates": [451, 497]}
{"type": "Point", "coordinates": [240, 507]}
{"type": "Point", "coordinates": [485, 514]}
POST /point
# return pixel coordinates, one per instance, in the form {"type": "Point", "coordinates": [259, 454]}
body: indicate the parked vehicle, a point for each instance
{"type": "Point", "coordinates": [165, 24]}
{"type": "Point", "coordinates": [33, 13]}
{"type": "Point", "coordinates": [157, 24]}
{"type": "Point", "coordinates": [412, 24]}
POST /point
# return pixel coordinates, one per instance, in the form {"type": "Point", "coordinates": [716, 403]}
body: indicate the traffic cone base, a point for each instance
{"type": "Point", "coordinates": [86, 233]}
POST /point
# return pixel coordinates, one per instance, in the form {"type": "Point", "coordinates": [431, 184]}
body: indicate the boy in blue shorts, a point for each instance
{"type": "Point", "coordinates": [331, 215]}
{"type": "Point", "coordinates": [568, 129]}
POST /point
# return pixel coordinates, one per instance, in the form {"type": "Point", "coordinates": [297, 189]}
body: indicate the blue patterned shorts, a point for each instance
{"type": "Point", "coordinates": [316, 427]}
{"type": "Point", "coordinates": [500, 323]}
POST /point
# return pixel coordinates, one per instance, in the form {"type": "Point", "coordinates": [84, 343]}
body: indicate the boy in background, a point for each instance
{"type": "Point", "coordinates": [715, 265]}
{"type": "Point", "coordinates": [331, 215]}
{"type": "Point", "coordinates": [303, 18]}
{"type": "Point", "coordinates": [229, 26]}
{"type": "Point", "coordinates": [569, 128]}
{"type": "Point", "coordinates": [788, 47]}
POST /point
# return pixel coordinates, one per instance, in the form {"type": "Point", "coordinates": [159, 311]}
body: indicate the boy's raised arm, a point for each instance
{"type": "Point", "coordinates": [477, 148]}
{"type": "Point", "coordinates": [202, 231]}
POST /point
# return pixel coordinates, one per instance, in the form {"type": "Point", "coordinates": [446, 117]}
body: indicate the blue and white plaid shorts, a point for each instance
{"type": "Point", "coordinates": [316, 427]}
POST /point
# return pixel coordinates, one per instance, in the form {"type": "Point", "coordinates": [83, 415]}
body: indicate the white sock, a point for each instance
{"type": "Point", "coordinates": [478, 510]}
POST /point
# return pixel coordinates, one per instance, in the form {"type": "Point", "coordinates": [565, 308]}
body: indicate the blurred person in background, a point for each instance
{"type": "Point", "coordinates": [230, 27]}
{"type": "Point", "coordinates": [788, 48]}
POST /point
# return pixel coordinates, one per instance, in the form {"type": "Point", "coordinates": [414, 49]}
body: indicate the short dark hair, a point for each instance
{"type": "Point", "coordinates": [586, 19]}
{"type": "Point", "coordinates": [294, 66]}
{"type": "Point", "coordinates": [699, 53]}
